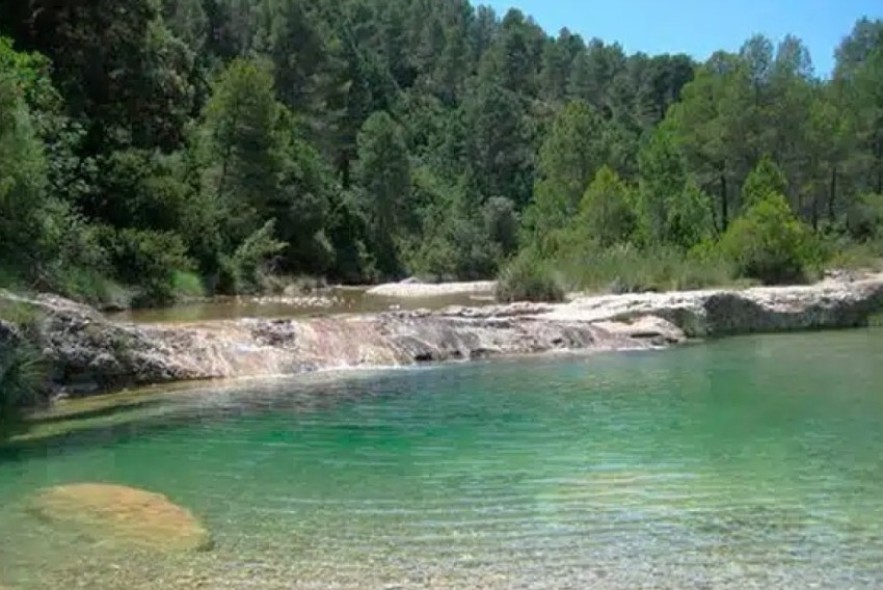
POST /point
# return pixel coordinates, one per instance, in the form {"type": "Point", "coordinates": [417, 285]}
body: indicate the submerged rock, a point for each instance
{"type": "Point", "coordinates": [89, 353]}
{"type": "Point", "coordinates": [123, 515]}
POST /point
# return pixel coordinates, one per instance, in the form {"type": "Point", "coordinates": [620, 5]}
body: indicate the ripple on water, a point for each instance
{"type": "Point", "coordinates": [728, 466]}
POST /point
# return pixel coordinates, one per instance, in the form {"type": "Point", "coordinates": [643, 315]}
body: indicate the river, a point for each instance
{"type": "Point", "coordinates": [331, 301]}
{"type": "Point", "coordinates": [751, 462]}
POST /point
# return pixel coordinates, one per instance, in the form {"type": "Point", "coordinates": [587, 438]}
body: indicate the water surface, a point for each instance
{"type": "Point", "coordinates": [745, 463]}
{"type": "Point", "coordinates": [337, 300]}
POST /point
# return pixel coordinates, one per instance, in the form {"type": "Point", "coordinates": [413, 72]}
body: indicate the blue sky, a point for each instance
{"type": "Point", "coordinates": [700, 27]}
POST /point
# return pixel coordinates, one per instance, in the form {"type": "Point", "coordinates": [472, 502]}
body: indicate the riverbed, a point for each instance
{"type": "Point", "coordinates": [326, 302]}
{"type": "Point", "coordinates": [751, 462]}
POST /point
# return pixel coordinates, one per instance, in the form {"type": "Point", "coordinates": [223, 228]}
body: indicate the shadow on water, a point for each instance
{"type": "Point", "coordinates": [104, 412]}
{"type": "Point", "coordinates": [98, 422]}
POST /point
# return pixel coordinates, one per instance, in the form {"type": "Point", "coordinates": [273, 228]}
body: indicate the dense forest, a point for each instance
{"type": "Point", "coordinates": [156, 149]}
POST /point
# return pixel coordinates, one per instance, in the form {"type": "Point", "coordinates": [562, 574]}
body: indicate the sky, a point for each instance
{"type": "Point", "coordinates": [701, 27]}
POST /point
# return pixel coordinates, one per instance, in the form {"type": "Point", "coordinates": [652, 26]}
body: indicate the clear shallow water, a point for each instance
{"type": "Point", "coordinates": [745, 463]}
{"type": "Point", "coordinates": [332, 301]}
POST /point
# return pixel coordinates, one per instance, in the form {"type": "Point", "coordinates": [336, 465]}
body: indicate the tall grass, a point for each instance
{"type": "Point", "coordinates": [853, 256]}
{"type": "Point", "coordinates": [528, 279]}
{"type": "Point", "coordinates": [22, 371]}
{"type": "Point", "coordinates": [627, 269]}
{"type": "Point", "coordinates": [22, 378]}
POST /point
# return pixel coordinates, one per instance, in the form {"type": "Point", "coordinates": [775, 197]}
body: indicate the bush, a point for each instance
{"type": "Point", "coordinates": [22, 377]}
{"type": "Point", "coordinates": [629, 269]}
{"type": "Point", "coordinates": [244, 271]}
{"type": "Point", "coordinates": [149, 261]}
{"type": "Point", "coordinates": [455, 248]}
{"type": "Point", "coordinates": [187, 285]}
{"type": "Point", "coordinates": [864, 217]}
{"type": "Point", "coordinates": [770, 244]}
{"type": "Point", "coordinates": [527, 279]}
{"type": "Point", "coordinates": [22, 373]}
{"type": "Point", "coordinates": [863, 256]}
{"type": "Point", "coordinates": [608, 213]}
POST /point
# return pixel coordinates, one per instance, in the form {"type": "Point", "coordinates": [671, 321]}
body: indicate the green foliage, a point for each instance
{"type": "Point", "coordinates": [384, 174]}
{"type": "Point", "coordinates": [569, 159]}
{"type": "Point", "coordinates": [673, 209]}
{"type": "Point", "coordinates": [187, 285]}
{"type": "Point", "coordinates": [528, 279]}
{"type": "Point", "coordinates": [22, 373]}
{"type": "Point", "coordinates": [22, 378]}
{"type": "Point", "coordinates": [864, 219]}
{"type": "Point", "coordinates": [149, 259]}
{"type": "Point", "coordinates": [245, 269]}
{"type": "Point", "coordinates": [607, 213]}
{"type": "Point", "coordinates": [363, 140]}
{"type": "Point", "coordinates": [626, 268]}
{"type": "Point", "coordinates": [22, 169]}
{"type": "Point", "coordinates": [501, 224]}
{"type": "Point", "coordinates": [688, 218]}
{"type": "Point", "coordinates": [770, 244]}
{"type": "Point", "coordinates": [766, 179]}
{"type": "Point", "coordinates": [243, 144]}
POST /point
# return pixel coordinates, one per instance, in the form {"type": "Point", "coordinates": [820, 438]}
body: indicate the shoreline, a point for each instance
{"type": "Point", "coordinates": [410, 289]}
{"type": "Point", "coordinates": [90, 354]}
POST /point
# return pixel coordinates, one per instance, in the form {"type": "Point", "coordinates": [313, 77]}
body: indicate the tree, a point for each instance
{"type": "Point", "coordinates": [501, 224]}
{"type": "Point", "coordinates": [766, 179]}
{"type": "Point", "coordinates": [706, 132]}
{"type": "Point", "coordinates": [500, 154]}
{"type": "Point", "coordinates": [569, 159]}
{"type": "Point", "coordinates": [607, 214]}
{"type": "Point", "coordinates": [868, 112]}
{"type": "Point", "coordinates": [689, 219]}
{"type": "Point", "coordinates": [829, 141]}
{"type": "Point", "coordinates": [558, 57]}
{"type": "Point", "coordinates": [22, 174]}
{"type": "Point", "coordinates": [383, 174]}
{"type": "Point", "coordinates": [122, 73]}
{"type": "Point", "coordinates": [769, 243]}
{"type": "Point", "coordinates": [663, 180]}
{"type": "Point", "coordinates": [243, 144]}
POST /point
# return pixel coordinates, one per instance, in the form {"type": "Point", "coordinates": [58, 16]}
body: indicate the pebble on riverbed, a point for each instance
{"type": "Point", "coordinates": [124, 515]}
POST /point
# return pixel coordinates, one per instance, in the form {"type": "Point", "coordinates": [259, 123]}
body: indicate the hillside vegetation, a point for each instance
{"type": "Point", "coordinates": [152, 149]}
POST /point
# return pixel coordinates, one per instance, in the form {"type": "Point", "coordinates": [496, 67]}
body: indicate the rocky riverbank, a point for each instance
{"type": "Point", "coordinates": [88, 353]}
{"type": "Point", "coordinates": [415, 289]}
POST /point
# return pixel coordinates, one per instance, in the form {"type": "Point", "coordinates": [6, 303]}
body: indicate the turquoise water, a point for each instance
{"type": "Point", "coordinates": [745, 463]}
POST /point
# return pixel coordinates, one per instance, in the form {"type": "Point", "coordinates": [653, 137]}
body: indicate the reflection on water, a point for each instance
{"type": "Point", "coordinates": [747, 463]}
{"type": "Point", "coordinates": [341, 300]}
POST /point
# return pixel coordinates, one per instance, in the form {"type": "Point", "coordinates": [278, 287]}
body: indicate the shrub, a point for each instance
{"type": "Point", "coordinates": [22, 373]}
{"type": "Point", "coordinates": [770, 244]}
{"type": "Point", "coordinates": [765, 180]}
{"type": "Point", "coordinates": [528, 279]}
{"type": "Point", "coordinates": [148, 260]}
{"type": "Point", "coordinates": [243, 271]}
{"type": "Point", "coordinates": [187, 285]}
{"type": "Point", "coordinates": [629, 269]}
{"type": "Point", "coordinates": [865, 217]}
{"type": "Point", "coordinates": [22, 377]}
{"type": "Point", "coordinates": [607, 212]}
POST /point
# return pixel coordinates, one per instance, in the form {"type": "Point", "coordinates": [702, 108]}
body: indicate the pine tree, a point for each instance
{"type": "Point", "coordinates": [383, 174]}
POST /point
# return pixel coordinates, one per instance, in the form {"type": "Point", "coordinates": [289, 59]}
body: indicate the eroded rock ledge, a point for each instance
{"type": "Point", "coordinates": [89, 353]}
